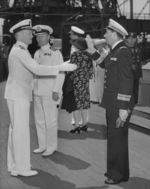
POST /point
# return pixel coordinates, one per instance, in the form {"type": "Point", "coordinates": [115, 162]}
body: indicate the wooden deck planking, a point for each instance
{"type": "Point", "coordinates": [80, 162]}
{"type": "Point", "coordinates": [4, 184]}
{"type": "Point", "coordinates": [72, 166]}
{"type": "Point", "coordinates": [48, 163]}
{"type": "Point", "coordinates": [143, 109]}
{"type": "Point", "coordinates": [140, 121]}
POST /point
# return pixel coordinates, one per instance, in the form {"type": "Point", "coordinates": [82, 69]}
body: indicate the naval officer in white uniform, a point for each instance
{"type": "Point", "coordinates": [47, 93]}
{"type": "Point", "coordinates": [18, 93]}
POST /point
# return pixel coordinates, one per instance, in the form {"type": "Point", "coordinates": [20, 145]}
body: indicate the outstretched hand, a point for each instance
{"type": "Point", "coordinates": [67, 67]}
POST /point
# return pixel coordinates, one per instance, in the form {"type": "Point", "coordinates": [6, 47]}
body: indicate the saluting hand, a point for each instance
{"type": "Point", "coordinates": [90, 44]}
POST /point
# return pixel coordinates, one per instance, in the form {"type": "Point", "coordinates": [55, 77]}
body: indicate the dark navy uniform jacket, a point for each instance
{"type": "Point", "coordinates": [118, 81]}
{"type": "Point", "coordinates": [136, 65]}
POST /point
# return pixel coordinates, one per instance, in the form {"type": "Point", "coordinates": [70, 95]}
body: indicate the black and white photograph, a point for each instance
{"type": "Point", "coordinates": [74, 94]}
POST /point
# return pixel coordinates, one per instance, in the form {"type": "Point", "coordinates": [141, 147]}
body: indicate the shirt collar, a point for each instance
{"type": "Point", "coordinates": [22, 44]}
{"type": "Point", "coordinates": [45, 47]}
{"type": "Point", "coordinates": [116, 43]}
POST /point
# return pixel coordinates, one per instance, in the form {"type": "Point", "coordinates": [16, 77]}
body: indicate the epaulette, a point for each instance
{"type": "Point", "coordinates": [22, 47]}
{"type": "Point", "coordinates": [52, 48]}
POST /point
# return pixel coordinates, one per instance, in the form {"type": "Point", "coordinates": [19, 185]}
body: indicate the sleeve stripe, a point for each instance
{"type": "Point", "coordinates": [123, 97]}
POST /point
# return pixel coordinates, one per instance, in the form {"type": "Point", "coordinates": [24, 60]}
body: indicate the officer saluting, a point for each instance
{"type": "Point", "coordinates": [117, 100]}
{"type": "Point", "coordinates": [18, 93]}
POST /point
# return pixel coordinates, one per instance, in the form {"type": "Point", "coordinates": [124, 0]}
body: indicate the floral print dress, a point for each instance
{"type": "Point", "coordinates": [80, 78]}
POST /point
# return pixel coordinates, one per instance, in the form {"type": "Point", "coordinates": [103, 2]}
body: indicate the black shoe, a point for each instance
{"type": "Point", "coordinates": [84, 128]}
{"type": "Point", "coordinates": [112, 182]}
{"type": "Point", "coordinates": [76, 130]}
{"type": "Point", "coordinates": [95, 102]}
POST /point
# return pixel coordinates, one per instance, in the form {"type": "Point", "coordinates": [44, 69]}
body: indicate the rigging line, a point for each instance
{"type": "Point", "coordinates": [123, 3]}
{"type": "Point", "coordinates": [148, 1]}
{"type": "Point", "coordinates": [118, 6]}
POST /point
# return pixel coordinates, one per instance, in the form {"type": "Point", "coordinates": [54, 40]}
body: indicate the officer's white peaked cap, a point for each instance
{"type": "Point", "coordinates": [23, 25]}
{"type": "Point", "coordinates": [117, 27]}
{"type": "Point", "coordinates": [39, 29]}
{"type": "Point", "coordinates": [76, 30]}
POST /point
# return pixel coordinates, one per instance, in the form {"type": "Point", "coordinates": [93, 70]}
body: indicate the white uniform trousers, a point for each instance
{"type": "Point", "coordinates": [18, 152]}
{"type": "Point", "coordinates": [100, 83]}
{"type": "Point", "coordinates": [46, 113]}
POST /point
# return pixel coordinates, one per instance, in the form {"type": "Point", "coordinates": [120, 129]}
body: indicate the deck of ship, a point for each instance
{"type": "Point", "coordinates": [80, 162]}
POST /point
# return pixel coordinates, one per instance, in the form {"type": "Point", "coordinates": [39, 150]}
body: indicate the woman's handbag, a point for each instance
{"type": "Point", "coordinates": [67, 87]}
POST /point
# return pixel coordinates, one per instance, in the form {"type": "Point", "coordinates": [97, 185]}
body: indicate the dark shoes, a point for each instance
{"type": "Point", "coordinates": [84, 128]}
{"type": "Point", "coordinates": [94, 102]}
{"type": "Point", "coordinates": [79, 129]}
{"type": "Point", "coordinates": [111, 181]}
{"type": "Point", "coordinates": [76, 130]}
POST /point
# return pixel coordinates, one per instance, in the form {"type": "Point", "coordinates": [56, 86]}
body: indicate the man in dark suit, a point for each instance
{"type": "Point", "coordinates": [131, 42]}
{"type": "Point", "coordinates": [117, 100]}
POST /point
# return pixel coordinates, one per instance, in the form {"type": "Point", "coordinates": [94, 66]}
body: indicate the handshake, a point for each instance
{"type": "Point", "coordinates": [66, 66]}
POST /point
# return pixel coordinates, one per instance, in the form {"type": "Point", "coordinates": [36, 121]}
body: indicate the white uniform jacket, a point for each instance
{"type": "Point", "coordinates": [45, 85]}
{"type": "Point", "coordinates": [21, 66]}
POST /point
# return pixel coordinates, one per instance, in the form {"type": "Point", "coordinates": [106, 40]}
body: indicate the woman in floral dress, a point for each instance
{"type": "Point", "coordinates": [80, 96]}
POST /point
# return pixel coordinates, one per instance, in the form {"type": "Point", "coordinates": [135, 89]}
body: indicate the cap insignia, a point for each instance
{"type": "Point", "coordinates": [39, 29]}
{"type": "Point", "coordinates": [21, 47]}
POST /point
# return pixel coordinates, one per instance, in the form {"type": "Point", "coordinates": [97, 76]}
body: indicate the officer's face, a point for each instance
{"type": "Point", "coordinates": [73, 36]}
{"type": "Point", "coordinates": [42, 39]}
{"type": "Point", "coordinates": [130, 41]}
{"type": "Point", "coordinates": [109, 36]}
{"type": "Point", "coordinates": [27, 36]}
